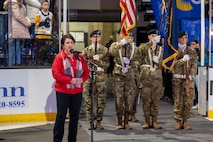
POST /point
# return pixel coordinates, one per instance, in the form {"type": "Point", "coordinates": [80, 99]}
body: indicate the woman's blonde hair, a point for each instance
{"type": "Point", "coordinates": [43, 1]}
{"type": "Point", "coordinates": [19, 2]}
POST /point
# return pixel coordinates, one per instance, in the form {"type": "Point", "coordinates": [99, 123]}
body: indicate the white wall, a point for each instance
{"type": "Point", "coordinates": [38, 91]}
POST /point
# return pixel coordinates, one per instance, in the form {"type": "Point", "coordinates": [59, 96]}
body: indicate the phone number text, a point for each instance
{"type": "Point", "coordinates": [12, 104]}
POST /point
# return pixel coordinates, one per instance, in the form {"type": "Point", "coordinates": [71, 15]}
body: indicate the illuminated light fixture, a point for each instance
{"type": "Point", "coordinates": [184, 6]}
{"type": "Point", "coordinates": [211, 32]}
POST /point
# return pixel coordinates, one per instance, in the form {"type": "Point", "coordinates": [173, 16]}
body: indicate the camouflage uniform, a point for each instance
{"type": "Point", "coordinates": [182, 102]}
{"type": "Point", "coordinates": [99, 82]}
{"type": "Point", "coordinates": [150, 82]}
{"type": "Point", "coordinates": [134, 109]}
{"type": "Point", "coordinates": [124, 83]}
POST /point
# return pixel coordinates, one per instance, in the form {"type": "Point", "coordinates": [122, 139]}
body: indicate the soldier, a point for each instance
{"type": "Point", "coordinates": [132, 116]}
{"type": "Point", "coordinates": [150, 79]}
{"type": "Point", "coordinates": [125, 55]}
{"type": "Point", "coordinates": [96, 53]}
{"type": "Point", "coordinates": [185, 62]}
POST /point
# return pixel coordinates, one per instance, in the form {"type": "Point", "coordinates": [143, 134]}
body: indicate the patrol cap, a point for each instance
{"type": "Point", "coordinates": [96, 32]}
{"type": "Point", "coordinates": [182, 33]}
{"type": "Point", "coordinates": [152, 31]}
{"type": "Point", "coordinates": [131, 33]}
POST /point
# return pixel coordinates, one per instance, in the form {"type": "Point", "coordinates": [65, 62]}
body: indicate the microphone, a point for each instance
{"type": "Point", "coordinates": [74, 51]}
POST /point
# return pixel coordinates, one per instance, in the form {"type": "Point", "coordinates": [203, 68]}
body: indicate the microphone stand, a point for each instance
{"type": "Point", "coordinates": [91, 93]}
{"type": "Point", "coordinates": [93, 67]}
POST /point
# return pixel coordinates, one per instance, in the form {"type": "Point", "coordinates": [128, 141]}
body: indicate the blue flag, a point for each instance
{"type": "Point", "coordinates": [170, 35]}
{"type": "Point", "coordinates": [159, 13]}
{"type": "Point", "coordinates": [193, 28]}
{"type": "Point", "coordinates": [188, 9]}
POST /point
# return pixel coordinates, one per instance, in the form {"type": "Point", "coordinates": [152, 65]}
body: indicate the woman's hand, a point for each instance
{"type": "Point", "coordinates": [73, 81]}
{"type": "Point", "coordinates": [77, 82]}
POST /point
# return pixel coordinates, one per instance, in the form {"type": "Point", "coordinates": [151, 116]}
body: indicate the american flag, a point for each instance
{"type": "Point", "coordinates": [128, 16]}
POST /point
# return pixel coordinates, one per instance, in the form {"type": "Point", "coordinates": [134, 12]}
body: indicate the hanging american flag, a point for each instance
{"type": "Point", "coordinates": [128, 16]}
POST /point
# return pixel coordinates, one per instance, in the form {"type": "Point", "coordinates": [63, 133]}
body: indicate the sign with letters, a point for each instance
{"type": "Point", "coordinates": [210, 83]}
{"type": "Point", "coordinates": [13, 93]}
{"type": "Point", "coordinates": [27, 95]}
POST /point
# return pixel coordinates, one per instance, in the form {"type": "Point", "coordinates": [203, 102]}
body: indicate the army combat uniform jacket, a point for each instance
{"type": "Point", "coordinates": [129, 51]}
{"type": "Point", "coordinates": [183, 101]}
{"type": "Point", "coordinates": [125, 58]}
{"type": "Point", "coordinates": [150, 78]}
{"type": "Point", "coordinates": [99, 80]}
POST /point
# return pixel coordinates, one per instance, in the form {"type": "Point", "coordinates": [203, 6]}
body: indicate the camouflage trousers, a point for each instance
{"type": "Point", "coordinates": [134, 109]}
{"type": "Point", "coordinates": [124, 94]}
{"type": "Point", "coordinates": [99, 92]}
{"type": "Point", "coordinates": [182, 102]}
{"type": "Point", "coordinates": [151, 94]}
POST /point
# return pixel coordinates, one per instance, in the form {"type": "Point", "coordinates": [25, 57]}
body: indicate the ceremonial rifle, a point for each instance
{"type": "Point", "coordinates": [187, 86]}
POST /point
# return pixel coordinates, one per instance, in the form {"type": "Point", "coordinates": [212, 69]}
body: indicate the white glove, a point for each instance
{"type": "Point", "coordinates": [155, 59]}
{"type": "Point", "coordinates": [96, 57]}
{"type": "Point", "coordinates": [126, 60]}
{"type": "Point", "coordinates": [156, 39]}
{"type": "Point", "coordinates": [124, 41]}
{"type": "Point", "coordinates": [186, 57]}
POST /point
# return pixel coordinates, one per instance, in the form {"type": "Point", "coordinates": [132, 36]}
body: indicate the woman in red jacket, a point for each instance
{"type": "Point", "coordinates": [70, 71]}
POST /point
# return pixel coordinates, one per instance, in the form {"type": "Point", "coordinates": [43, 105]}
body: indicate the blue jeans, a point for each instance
{"type": "Point", "coordinates": [65, 102]}
{"type": "Point", "coordinates": [17, 45]}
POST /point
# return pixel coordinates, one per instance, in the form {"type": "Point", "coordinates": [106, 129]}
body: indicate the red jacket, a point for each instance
{"type": "Point", "coordinates": [61, 79]}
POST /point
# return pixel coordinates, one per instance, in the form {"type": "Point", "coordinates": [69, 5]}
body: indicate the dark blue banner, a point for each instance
{"type": "Point", "coordinates": [157, 7]}
{"type": "Point", "coordinates": [184, 9]}
{"type": "Point", "coordinates": [193, 28]}
{"type": "Point", "coordinates": [170, 35]}
{"type": "Point", "coordinates": [188, 9]}
{"type": "Point", "coordinates": [186, 16]}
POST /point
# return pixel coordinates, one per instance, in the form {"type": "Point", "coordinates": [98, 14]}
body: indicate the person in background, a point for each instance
{"type": "Point", "coordinates": [184, 62]}
{"type": "Point", "coordinates": [44, 21]}
{"type": "Point", "coordinates": [20, 25]}
{"type": "Point", "coordinates": [70, 71]}
{"type": "Point", "coordinates": [97, 54]}
{"type": "Point", "coordinates": [195, 44]}
{"type": "Point", "coordinates": [150, 79]}
{"type": "Point", "coordinates": [111, 62]}
{"type": "Point", "coordinates": [1, 5]}
{"type": "Point", "coordinates": [110, 41]}
{"type": "Point", "coordinates": [43, 30]}
{"type": "Point", "coordinates": [33, 7]}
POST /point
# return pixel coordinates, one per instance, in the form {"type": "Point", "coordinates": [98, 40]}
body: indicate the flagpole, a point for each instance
{"type": "Point", "coordinates": [210, 30]}
{"type": "Point", "coordinates": [65, 16]}
{"type": "Point", "coordinates": [59, 27]}
{"type": "Point", "coordinates": [202, 32]}
{"type": "Point", "coordinates": [161, 16]}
